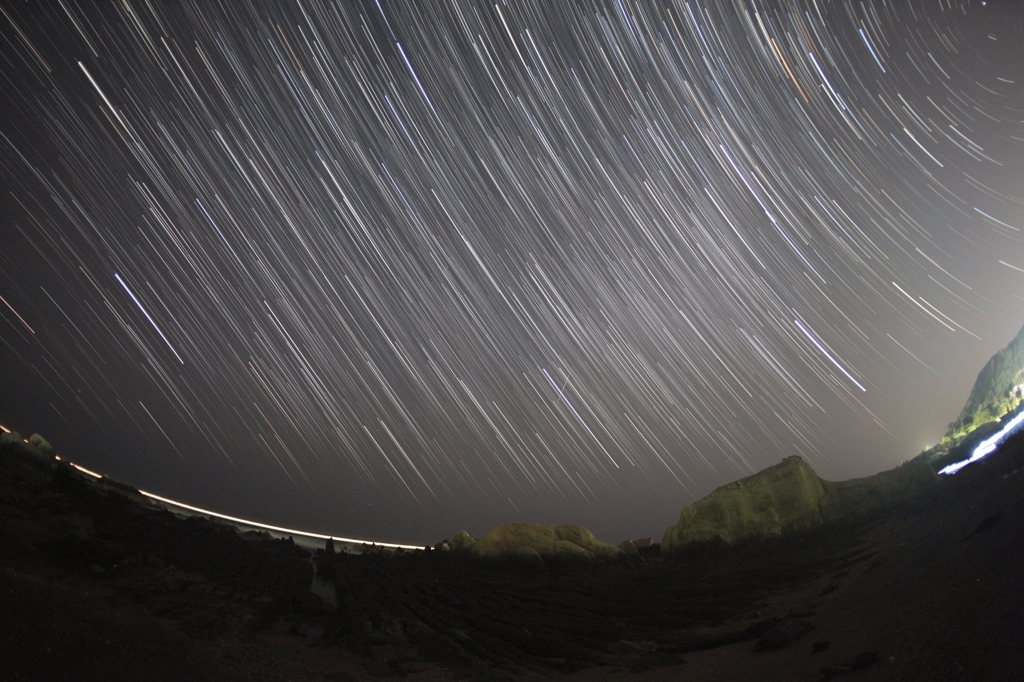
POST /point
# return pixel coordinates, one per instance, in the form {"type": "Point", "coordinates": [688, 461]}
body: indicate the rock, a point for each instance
{"type": "Point", "coordinates": [567, 556]}
{"type": "Point", "coordinates": [789, 497]}
{"type": "Point", "coordinates": [461, 541]}
{"type": "Point", "coordinates": [574, 533]}
{"type": "Point", "coordinates": [784, 634]}
{"type": "Point", "coordinates": [831, 671]}
{"type": "Point", "coordinates": [653, 549]}
{"type": "Point", "coordinates": [860, 497]}
{"type": "Point", "coordinates": [625, 647]}
{"type": "Point", "coordinates": [308, 603]}
{"type": "Point", "coordinates": [567, 545]}
{"type": "Point", "coordinates": [643, 542]}
{"type": "Point", "coordinates": [40, 443]}
{"type": "Point", "coordinates": [629, 548]}
{"type": "Point", "coordinates": [779, 499]}
{"type": "Point", "coordinates": [413, 667]}
{"type": "Point", "coordinates": [605, 551]}
{"type": "Point", "coordinates": [527, 557]}
{"type": "Point", "coordinates": [654, 661]}
{"type": "Point", "coordinates": [512, 536]}
{"type": "Point", "coordinates": [863, 661]}
{"type": "Point", "coordinates": [388, 624]}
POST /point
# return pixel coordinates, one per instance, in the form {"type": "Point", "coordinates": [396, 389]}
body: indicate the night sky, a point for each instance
{"type": "Point", "coordinates": [393, 269]}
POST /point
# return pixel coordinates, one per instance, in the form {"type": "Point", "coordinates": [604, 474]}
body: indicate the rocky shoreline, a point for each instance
{"type": "Point", "coordinates": [103, 585]}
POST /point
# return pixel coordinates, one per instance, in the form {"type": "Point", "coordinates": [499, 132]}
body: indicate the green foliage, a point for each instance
{"type": "Point", "coordinates": [997, 391]}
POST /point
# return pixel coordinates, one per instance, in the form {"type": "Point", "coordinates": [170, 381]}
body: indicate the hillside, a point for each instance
{"type": "Point", "coordinates": [997, 391]}
{"type": "Point", "coordinates": [104, 583]}
{"type": "Point", "coordinates": [100, 584]}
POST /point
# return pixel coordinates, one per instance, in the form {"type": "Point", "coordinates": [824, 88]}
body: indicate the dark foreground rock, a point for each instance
{"type": "Point", "coordinates": [784, 634]}
{"type": "Point", "coordinates": [97, 585]}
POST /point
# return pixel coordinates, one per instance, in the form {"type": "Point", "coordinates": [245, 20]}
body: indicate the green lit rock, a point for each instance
{"type": "Point", "coordinates": [40, 443]}
{"type": "Point", "coordinates": [567, 555]}
{"type": "Point", "coordinates": [789, 497]}
{"type": "Point", "coordinates": [461, 541]}
{"type": "Point", "coordinates": [566, 545]}
{"type": "Point", "coordinates": [527, 557]}
{"type": "Point", "coordinates": [574, 533]}
{"type": "Point", "coordinates": [779, 499]}
{"type": "Point", "coordinates": [606, 551]}
{"type": "Point", "coordinates": [629, 548]}
{"type": "Point", "coordinates": [510, 537]}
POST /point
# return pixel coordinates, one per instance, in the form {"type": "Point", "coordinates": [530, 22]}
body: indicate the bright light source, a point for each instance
{"type": "Point", "coordinates": [987, 446]}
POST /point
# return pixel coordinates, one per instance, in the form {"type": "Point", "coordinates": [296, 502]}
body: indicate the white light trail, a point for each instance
{"type": "Point", "coordinates": [149, 318]}
{"type": "Point", "coordinates": [873, 54]}
{"type": "Point", "coordinates": [247, 522]}
{"type": "Point", "coordinates": [579, 417]}
{"type": "Point", "coordinates": [278, 529]}
{"type": "Point", "coordinates": [987, 446]}
{"type": "Point", "coordinates": [826, 354]}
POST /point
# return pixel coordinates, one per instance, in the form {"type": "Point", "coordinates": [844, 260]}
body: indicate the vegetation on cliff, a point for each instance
{"type": "Point", "coordinates": [997, 392]}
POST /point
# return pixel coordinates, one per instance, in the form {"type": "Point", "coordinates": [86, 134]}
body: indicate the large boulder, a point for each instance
{"type": "Point", "coordinates": [779, 499]}
{"type": "Point", "coordinates": [461, 541]}
{"type": "Point", "coordinates": [629, 548]}
{"type": "Point", "coordinates": [40, 443]}
{"type": "Point", "coordinates": [789, 497]}
{"type": "Point", "coordinates": [567, 544]}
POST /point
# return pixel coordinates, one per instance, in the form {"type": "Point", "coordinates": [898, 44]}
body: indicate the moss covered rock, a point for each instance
{"type": "Point", "coordinates": [40, 443]}
{"type": "Point", "coordinates": [789, 497]}
{"type": "Point", "coordinates": [779, 499]}
{"type": "Point", "coordinates": [568, 544]}
{"type": "Point", "coordinates": [461, 541]}
{"type": "Point", "coordinates": [527, 557]}
{"type": "Point", "coordinates": [629, 548]}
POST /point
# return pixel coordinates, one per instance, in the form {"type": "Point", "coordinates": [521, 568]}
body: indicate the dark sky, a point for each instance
{"type": "Point", "coordinates": [393, 269]}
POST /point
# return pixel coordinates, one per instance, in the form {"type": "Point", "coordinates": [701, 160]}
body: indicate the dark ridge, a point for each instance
{"type": "Point", "coordinates": [102, 584]}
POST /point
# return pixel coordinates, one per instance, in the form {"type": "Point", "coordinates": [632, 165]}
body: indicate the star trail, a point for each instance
{"type": "Point", "coordinates": [400, 268]}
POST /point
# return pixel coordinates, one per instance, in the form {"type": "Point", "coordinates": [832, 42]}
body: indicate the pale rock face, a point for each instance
{"type": "Point", "coordinates": [779, 499]}
{"type": "Point", "coordinates": [789, 497]}
{"type": "Point", "coordinates": [567, 543]}
{"type": "Point", "coordinates": [629, 548]}
{"type": "Point", "coordinates": [576, 534]}
{"type": "Point", "coordinates": [461, 541]}
{"type": "Point", "coordinates": [527, 557]}
{"type": "Point", "coordinates": [606, 550]}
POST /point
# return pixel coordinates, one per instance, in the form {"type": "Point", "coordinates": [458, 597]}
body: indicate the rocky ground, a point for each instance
{"type": "Point", "coordinates": [96, 584]}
